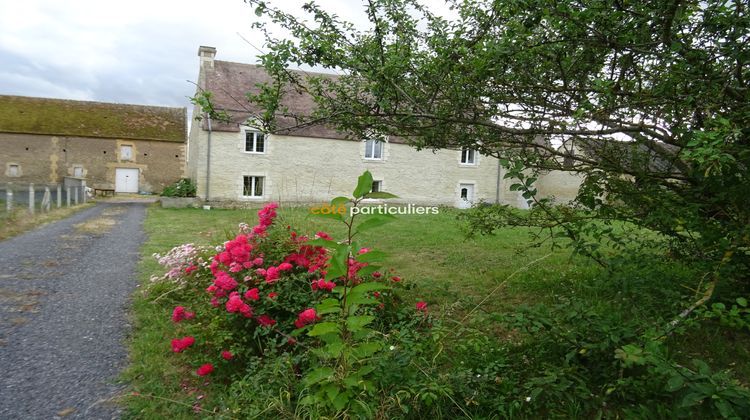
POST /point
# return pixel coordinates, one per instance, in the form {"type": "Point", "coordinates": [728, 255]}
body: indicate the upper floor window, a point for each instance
{"type": "Point", "coordinates": [14, 170]}
{"type": "Point", "coordinates": [126, 152]}
{"type": "Point", "coordinates": [78, 171]}
{"type": "Point", "coordinates": [255, 142]}
{"type": "Point", "coordinates": [252, 186]}
{"type": "Point", "coordinates": [468, 156]}
{"type": "Point", "coordinates": [373, 149]}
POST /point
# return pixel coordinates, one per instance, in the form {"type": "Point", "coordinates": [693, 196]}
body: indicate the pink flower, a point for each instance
{"type": "Point", "coordinates": [205, 369]}
{"type": "Point", "coordinates": [266, 320]}
{"type": "Point", "coordinates": [180, 344]}
{"type": "Point", "coordinates": [258, 261]}
{"type": "Point", "coordinates": [227, 355]}
{"type": "Point", "coordinates": [422, 306]}
{"type": "Point", "coordinates": [246, 310]}
{"type": "Point", "coordinates": [323, 284]}
{"type": "Point", "coordinates": [364, 250]}
{"type": "Point", "coordinates": [323, 235]}
{"type": "Point", "coordinates": [252, 294]}
{"type": "Point", "coordinates": [225, 281]}
{"type": "Point", "coordinates": [234, 304]}
{"type": "Point", "coordinates": [178, 314]}
{"type": "Point", "coordinates": [308, 316]}
{"type": "Point", "coordinates": [190, 269]}
{"type": "Point", "coordinates": [272, 275]}
{"type": "Point", "coordinates": [376, 274]}
{"type": "Point", "coordinates": [272, 295]}
{"type": "Point", "coordinates": [215, 302]}
{"type": "Point", "coordinates": [396, 279]}
{"type": "Point", "coordinates": [285, 266]}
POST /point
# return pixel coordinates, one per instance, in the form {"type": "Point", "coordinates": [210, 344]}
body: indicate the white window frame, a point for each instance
{"type": "Point", "coordinates": [252, 185]}
{"type": "Point", "coordinates": [255, 133]}
{"type": "Point", "coordinates": [126, 147]}
{"type": "Point", "coordinates": [372, 149]}
{"type": "Point", "coordinates": [379, 183]}
{"type": "Point", "coordinates": [75, 168]}
{"type": "Point", "coordinates": [10, 170]}
{"type": "Point", "coordinates": [468, 152]}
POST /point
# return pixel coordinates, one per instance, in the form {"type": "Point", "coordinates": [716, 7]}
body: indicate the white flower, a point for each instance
{"type": "Point", "coordinates": [392, 348]}
{"type": "Point", "coordinates": [479, 376]}
{"type": "Point", "coordinates": [528, 399]}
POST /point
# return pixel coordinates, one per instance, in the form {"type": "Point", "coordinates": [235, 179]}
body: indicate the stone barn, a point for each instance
{"type": "Point", "coordinates": [127, 148]}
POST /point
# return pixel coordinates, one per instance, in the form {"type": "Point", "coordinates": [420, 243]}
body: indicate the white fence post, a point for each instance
{"type": "Point", "coordinates": [75, 197]}
{"type": "Point", "coordinates": [46, 200]}
{"type": "Point", "coordinates": [9, 198]}
{"type": "Point", "coordinates": [31, 198]}
{"type": "Point", "coordinates": [59, 196]}
{"type": "Point", "coordinates": [67, 195]}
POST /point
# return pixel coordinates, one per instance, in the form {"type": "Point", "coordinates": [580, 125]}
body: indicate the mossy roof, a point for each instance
{"type": "Point", "coordinates": [61, 117]}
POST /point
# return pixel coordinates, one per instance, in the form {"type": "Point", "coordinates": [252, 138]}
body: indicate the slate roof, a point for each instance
{"type": "Point", "coordinates": [62, 117]}
{"type": "Point", "coordinates": [229, 82]}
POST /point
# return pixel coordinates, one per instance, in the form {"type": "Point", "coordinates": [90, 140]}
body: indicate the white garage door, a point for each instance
{"type": "Point", "coordinates": [126, 180]}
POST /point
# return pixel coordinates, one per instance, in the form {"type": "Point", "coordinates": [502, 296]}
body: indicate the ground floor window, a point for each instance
{"type": "Point", "coordinates": [253, 186]}
{"type": "Point", "coordinates": [377, 186]}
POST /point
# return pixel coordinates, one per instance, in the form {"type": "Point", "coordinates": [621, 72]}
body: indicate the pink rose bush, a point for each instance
{"type": "Point", "coordinates": [257, 292]}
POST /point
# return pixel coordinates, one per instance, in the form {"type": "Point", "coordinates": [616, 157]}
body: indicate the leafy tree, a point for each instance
{"type": "Point", "coordinates": [649, 100]}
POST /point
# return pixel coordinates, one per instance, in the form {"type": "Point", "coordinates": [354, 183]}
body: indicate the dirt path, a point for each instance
{"type": "Point", "coordinates": [63, 294]}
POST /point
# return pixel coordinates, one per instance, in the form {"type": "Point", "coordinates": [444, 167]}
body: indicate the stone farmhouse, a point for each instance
{"type": "Point", "coordinates": [127, 148]}
{"type": "Point", "coordinates": [236, 164]}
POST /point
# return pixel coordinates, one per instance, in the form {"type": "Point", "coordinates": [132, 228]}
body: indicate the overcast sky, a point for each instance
{"type": "Point", "coordinates": [131, 51]}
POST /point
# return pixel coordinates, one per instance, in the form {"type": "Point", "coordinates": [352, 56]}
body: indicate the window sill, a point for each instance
{"type": "Point", "coordinates": [468, 165]}
{"type": "Point", "coordinates": [253, 153]}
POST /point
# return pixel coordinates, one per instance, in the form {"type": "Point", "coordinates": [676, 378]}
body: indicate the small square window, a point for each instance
{"type": "Point", "coordinates": [377, 186]}
{"type": "Point", "coordinates": [78, 172]}
{"type": "Point", "coordinates": [14, 170]}
{"type": "Point", "coordinates": [252, 186]}
{"type": "Point", "coordinates": [126, 152]}
{"type": "Point", "coordinates": [255, 142]}
{"type": "Point", "coordinates": [373, 149]}
{"type": "Point", "coordinates": [468, 156]}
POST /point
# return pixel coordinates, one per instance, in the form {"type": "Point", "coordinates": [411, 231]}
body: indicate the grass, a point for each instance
{"type": "Point", "coordinates": [452, 273]}
{"type": "Point", "coordinates": [20, 221]}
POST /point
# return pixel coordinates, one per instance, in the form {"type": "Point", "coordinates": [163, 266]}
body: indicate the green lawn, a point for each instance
{"type": "Point", "coordinates": [430, 251]}
{"type": "Point", "coordinates": [452, 273]}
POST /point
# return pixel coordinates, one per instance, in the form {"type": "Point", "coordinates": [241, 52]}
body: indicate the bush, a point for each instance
{"type": "Point", "coordinates": [317, 318]}
{"type": "Point", "coordinates": [182, 188]}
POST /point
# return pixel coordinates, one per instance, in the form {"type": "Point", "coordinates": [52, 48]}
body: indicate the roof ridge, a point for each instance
{"type": "Point", "coordinates": [294, 70]}
{"type": "Point", "coordinates": [79, 101]}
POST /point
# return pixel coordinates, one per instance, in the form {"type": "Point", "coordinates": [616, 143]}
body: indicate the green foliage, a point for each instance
{"type": "Point", "coordinates": [649, 100]}
{"type": "Point", "coordinates": [182, 188]}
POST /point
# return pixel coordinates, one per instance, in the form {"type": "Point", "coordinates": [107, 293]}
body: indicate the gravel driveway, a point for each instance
{"type": "Point", "coordinates": [64, 289]}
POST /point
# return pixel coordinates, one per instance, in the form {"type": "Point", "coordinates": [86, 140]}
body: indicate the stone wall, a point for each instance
{"type": "Point", "coordinates": [47, 159]}
{"type": "Point", "coordinates": [311, 170]}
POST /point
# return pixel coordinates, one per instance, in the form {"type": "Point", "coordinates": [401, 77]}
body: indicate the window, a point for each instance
{"type": "Point", "coordinates": [373, 149]}
{"type": "Point", "coordinates": [255, 142]}
{"type": "Point", "coordinates": [78, 171]}
{"type": "Point", "coordinates": [468, 156]}
{"type": "Point", "coordinates": [14, 170]}
{"type": "Point", "coordinates": [126, 152]}
{"type": "Point", "coordinates": [253, 186]}
{"type": "Point", "coordinates": [377, 186]}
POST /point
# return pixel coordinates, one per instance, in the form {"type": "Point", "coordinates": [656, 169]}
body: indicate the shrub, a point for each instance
{"type": "Point", "coordinates": [323, 315]}
{"type": "Point", "coordinates": [182, 188]}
